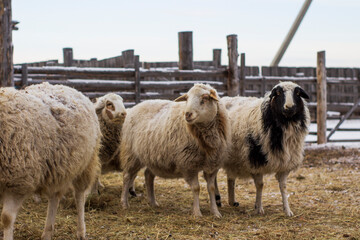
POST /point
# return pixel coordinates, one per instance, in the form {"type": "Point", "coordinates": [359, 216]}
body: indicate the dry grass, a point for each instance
{"type": "Point", "coordinates": [324, 196]}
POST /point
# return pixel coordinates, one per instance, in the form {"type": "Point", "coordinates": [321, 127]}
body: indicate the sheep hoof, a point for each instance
{"type": "Point", "coordinates": [235, 204]}
{"type": "Point", "coordinates": [217, 214]}
{"type": "Point", "coordinates": [260, 211]}
{"type": "Point", "coordinates": [81, 237]}
{"type": "Point", "coordinates": [218, 200]}
{"type": "Point", "coordinates": [46, 236]}
{"type": "Point", "coordinates": [132, 193]}
{"type": "Point", "coordinates": [289, 213]}
{"type": "Point", "coordinates": [154, 204]}
{"type": "Point", "coordinates": [197, 214]}
{"type": "Point", "coordinates": [125, 205]}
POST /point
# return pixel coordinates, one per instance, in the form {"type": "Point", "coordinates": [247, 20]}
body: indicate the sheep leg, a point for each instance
{"type": "Point", "coordinates": [259, 184]}
{"type": "Point", "coordinates": [281, 177]}
{"type": "Point", "coordinates": [210, 179]}
{"type": "Point", "coordinates": [193, 182]}
{"type": "Point", "coordinates": [231, 191]}
{"type": "Point", "coordinates": [11, 206]}
{"type": "Point", "coordinates": [128, 182]}
{"type": "Point", "coordinates": [217, 194]}
{"type": "Point", "coordinates": [80, 207]}
{"type": "Point", "coordinates": [132, 187]}
{"type": "Point", "coordinates": [149, 182]}
{"type": "Point", "coordinates": [50, 218]}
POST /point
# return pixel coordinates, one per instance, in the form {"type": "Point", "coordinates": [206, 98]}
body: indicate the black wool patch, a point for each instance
{"type": "Point", "coordinates": [256, 157]}
{"type": "Point", "coordinates": [270, 123]}
{"type": "Point", "coordinates": [275, 121]}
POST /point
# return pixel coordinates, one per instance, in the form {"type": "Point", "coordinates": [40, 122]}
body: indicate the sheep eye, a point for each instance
{"type": "Point", "coordinates": [110, 106]}
{"type": "Point", "coordinates": [202, 102]}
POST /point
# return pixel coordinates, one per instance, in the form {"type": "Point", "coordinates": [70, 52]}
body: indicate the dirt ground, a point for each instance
{"type": "Point", "coordinates": [324, 196]}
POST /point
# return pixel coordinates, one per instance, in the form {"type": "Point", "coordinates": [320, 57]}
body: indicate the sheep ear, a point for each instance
{"type": "Point", "coordinates": [273, 93]}
{"type": "Point", "coordinates": [182, 98]}
{"type": "Point", "coordinates": [213, 95]}
{"type": "Point", "coordinates": [303, 94]}
{"type": "Point", "coordinates": [99, 104]}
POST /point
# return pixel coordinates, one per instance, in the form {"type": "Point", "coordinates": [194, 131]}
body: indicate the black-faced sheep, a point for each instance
{"type": "Point", "coordinates": [49, 143]}
{"type": "Point", "coordinates": [111, 114]}
{"type": "Point", "coordinates": [176, 140]}
{"type": "Point", "coordinates": [267, 137]}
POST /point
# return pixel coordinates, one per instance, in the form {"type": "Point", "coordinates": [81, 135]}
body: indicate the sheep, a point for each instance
{"type": "Point", "coordinates": [267, 137]}
{"type": "Point", "coordinates": [176, 140]}
{"type": "Point", "coordinates": [111, 114]}
{"type": "Point", "coordinates": [49, 143]}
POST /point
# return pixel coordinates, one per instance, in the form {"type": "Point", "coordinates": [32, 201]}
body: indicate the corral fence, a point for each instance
{"type": "Point", "coordinates": [136, 81]}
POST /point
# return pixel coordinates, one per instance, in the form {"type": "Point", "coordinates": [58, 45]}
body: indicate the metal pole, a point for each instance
{"type": "Point", "coordinates": [291, 33]}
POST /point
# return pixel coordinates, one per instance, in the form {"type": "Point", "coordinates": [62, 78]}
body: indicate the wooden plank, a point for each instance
{"type": "Point", "coordinates": [6, 47]}
{"type": "Point", "coordinates": [216, 58]}
{"type": "Point", "coordinates": [93, 73]}
{"type": "Point", "coordinates": [283, 71]}
{"type": "Point", "coordinates": [291, 71]}
{"type": "Point", "coordinates": [24, 76]}
{"type": "Point", "coordinates": [137, 80]}
{"type": "Point", "coordinates": [176, 85]}
{"type": "Point", "coordinates": [321, 98]}
{"type": "Point", "coordinates": [242, 74]}
{"type": "Point", "coordinates": [169, 73]}
{"type": "Point", "coordinates": [128, 58]}
{"type": "Point", "coordinates": [233, 85]}
{"type": "Point", "coordinates": [68, 57]}
{"type": "Point", "coordinates": [186, 51]}
{"type": "Point", "coordinates": [91, 86]}
{"type": "Point", "coordinates": [265, 71]}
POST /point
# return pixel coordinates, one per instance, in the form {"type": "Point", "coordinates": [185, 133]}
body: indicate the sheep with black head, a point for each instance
{"type": "Point", "coordinates": [267, 137]}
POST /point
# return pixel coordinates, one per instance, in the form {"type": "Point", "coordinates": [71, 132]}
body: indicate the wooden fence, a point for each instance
{"type": "Point", "coordinates": [136, 81]}
{"type": "Point", "coordinates": [95, 82]}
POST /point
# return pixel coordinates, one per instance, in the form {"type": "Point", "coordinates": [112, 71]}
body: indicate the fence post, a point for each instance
{"type": "Point", "coordinates": [216, 58]}
{"type": "Point", "coordinates": [233, 76]}
{"type": "Point", "coordinates": [185, 51]}
{"type": "Point", "coordinates": [128, 58]}
{"type": "Point", "coordinates": [24, 76]}
{"type": "Point", "coordinates": [242, 74]}
{"type": "Point", "coordinates": [93, 62]}
{"type": "Point", "coordinates": [137, 79]}
{"type": "Point", "coordinates": [6, 47]}
{"type": "Point", "coordinates": [321, 98]}
{"type": "Point", "coordinates": [68, 57]}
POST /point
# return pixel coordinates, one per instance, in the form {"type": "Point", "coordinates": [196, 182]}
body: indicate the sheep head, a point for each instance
{"type": "Point", "coordinates": [286, 99]}
{"type": "Point", "coordinates": [201, 104]}
{"type": "Point", "coordinates": [111, 108]}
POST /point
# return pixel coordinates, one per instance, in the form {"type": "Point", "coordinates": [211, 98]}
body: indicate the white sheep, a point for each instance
{"type": "Point", "coordinates": [111, 114]}
{"type": "Point", "coordinates": [48, 144]}
{"type": "Point", "coordinates": [176, 140]}
{"type": "Point", "coordinates": [267, 137]}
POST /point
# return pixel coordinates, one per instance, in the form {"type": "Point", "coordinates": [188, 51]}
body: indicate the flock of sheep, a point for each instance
{"type": "Point", "coordinates": [54, 139]}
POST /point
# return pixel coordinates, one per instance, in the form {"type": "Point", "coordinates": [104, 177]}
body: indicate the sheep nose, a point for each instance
{"type": "Point", "coordinates": [123, 114]}
{"type": "Point", "coordinates": [188, 115]}
{"type": "Point", "coordinates": [288, 106]}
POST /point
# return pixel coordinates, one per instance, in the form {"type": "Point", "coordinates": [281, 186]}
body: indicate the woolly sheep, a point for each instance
{"type": "Point", "coordinates": [49, 143]}
{"type": "Point", "coordinates": [176, 140]}
{"type": "Point", "coordinates": [111, 114]}
{"type": "Point", "coordinates": [267, 137]}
